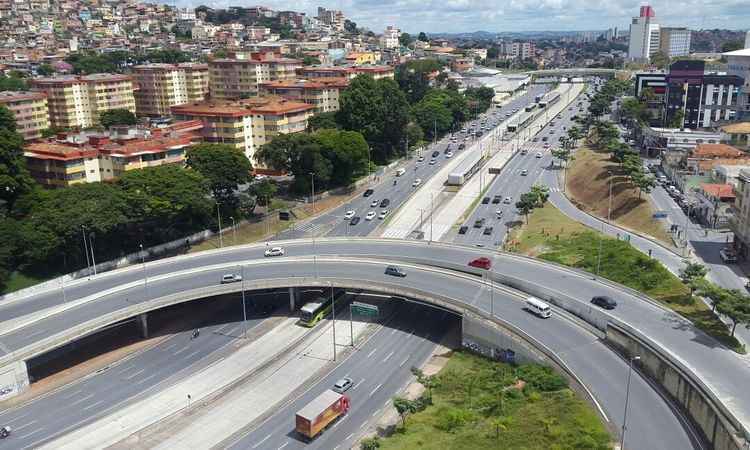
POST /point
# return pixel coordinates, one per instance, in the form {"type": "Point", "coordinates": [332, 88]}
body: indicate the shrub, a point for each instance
{"type": "Point", "coordinates": [541, 378]}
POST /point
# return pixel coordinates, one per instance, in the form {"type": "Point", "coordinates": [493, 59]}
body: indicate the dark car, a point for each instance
{"type": "Point", "coordinates": [604, 302]}
{"type": "Point", "coordinates": [368, 192]}
{"type": "Point", "coordinates": [435, 154]}
{"type": "Point", "coordinates": [354, 221]}
{"type": "Point", "coordinates": [461, 146]}
{"type": "Point", "coordinates": [463, 229]}
{"type": "Point", "coordinates": [485, 200]}
{"type": "Point", "coordinates": [496, 199]}
{"type": "Point", "coordinates": [544, 139]}
{"type": "Point", "coordinates": [487, 231]}
{"type": "Point", "coordinates": [395, 271]}
{"type": "Point", "coordinates": [385, 202]}
{"type": "Point", "coordinates": [478, 223]}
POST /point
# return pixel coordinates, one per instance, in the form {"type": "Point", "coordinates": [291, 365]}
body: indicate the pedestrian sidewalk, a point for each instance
{"type": "Point", "coordinates": [137, 416]}
{"type": "Point", "coordinates": [253, 400]}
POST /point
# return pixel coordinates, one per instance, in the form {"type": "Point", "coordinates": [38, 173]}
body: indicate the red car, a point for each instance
{"type": "Point", "coordinates": [482, 263]}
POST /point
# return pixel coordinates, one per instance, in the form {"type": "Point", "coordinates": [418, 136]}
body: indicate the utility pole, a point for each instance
{"type": "Point", "coordinates": [86, 250]}
{"type": "Point", "coordinates": [218, 215]}
{"type": "Point", "coordinates": [333, 312]}
{"type": "Point", "coordinates": [145, 275]}
{"type": "Point", "coordinates": [244, 307]}
{"type": "Point", "coordinates": [627, 398]}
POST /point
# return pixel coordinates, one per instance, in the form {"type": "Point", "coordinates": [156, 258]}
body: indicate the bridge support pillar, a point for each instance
{"type": "Point", "coordinates": [143, 324]}
{"type": "Point", "coordinates": [14, 379]}
{"type": "Point", "coordinates": [293, 294]}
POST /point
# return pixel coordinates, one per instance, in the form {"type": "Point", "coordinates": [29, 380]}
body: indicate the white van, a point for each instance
{"type": "Point", "coordinates": [400, 172]}
{"type": "Point", "coordinates": [538, 307]}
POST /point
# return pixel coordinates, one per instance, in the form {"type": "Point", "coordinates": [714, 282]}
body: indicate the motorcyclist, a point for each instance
{"type": "Point", "coordinates": [196, 333]}
{"type": "Point", "coordinates": [395, 182]}
{"type": "Point", "coordinates": [5, 432]}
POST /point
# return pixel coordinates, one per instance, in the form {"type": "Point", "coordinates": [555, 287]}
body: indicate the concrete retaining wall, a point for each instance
{"type": "Point", "coordinates": [707, 415]}
{"type": "Point", "coordinates": [14, 379]}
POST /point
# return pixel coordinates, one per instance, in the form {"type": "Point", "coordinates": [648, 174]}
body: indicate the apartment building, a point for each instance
{"type": "Point", "coordinates": [739, 222]}
{"type": "Point", "coordinates": [30, 111]}
{"type": "Point", "coordinates": [90, 157]}
{"type": "Point", "coordinates": [361, 58]}
{"type": "Point", "coordinates": [246, 124]}
{"type": "Point", "coordinates": [674, 41]}
{"type": "Point", "coordinates": [322, 93]}
{"type": "Point", "coordinates": [377, 72]}
{"type": "Point", "coordinates": [390, 37]}
{"type": "Point", "coordinates": [161, 86]}
{"type": "Point", "coordinates": [644, 35]}
{"type": "Point", "coordinates": [738, 64]}
{"type": "Point", "coordinates": [240, 78]}
{"type": "Point", "coordinates": [76, 101]}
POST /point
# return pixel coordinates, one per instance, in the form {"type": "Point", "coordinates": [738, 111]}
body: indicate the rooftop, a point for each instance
{"type": "Point", "coordinates": [316, 83]}
{"type": "Point", "coordinates": [718, 190]}
{"type": "Point", "coordinates": [245, 107]}
{"type": "Point", "coordinates": [16, 96]}
{"type": "Point", "coordinates": [737, 128]}
{"type": "Point", "coordinates": [716, 151]}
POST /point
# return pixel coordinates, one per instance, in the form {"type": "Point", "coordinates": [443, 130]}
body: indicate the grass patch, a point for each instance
{"type": "Point", "coordinates": [588, 187]}
{"type": "Point", "coordinates": [18, 281]}
{"type": "Point", "coordinates": [246, 234]}
{"type": "Point", "coordinates": [478, 404]}
{"type": "Point", "coordinates": [552, 236]}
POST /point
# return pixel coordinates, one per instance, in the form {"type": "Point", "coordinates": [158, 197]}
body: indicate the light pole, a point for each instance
{"type": "Point", "coordinates": [333, 315]}
{"type": "Point", "coordinates": [234, 231]}
{"type": "Point", "coordinates": [432, 211]}
{"type": "Point", "coordinates": [244, 308]}
{"type": "Point", "coordinates": [627, 398]}
{"type": "Point", "coordinates": [218, 215]}
{"type": "Point", "coordinates": [145, 277]}
{"type": "Point", "coordinates": [609, 210]}
{"type": "Point", "coordinates": [91, 247]}
{"type": "Point", "coordinates": [86, 250]}
{"type": "Point", "coordinates": [312, 233]}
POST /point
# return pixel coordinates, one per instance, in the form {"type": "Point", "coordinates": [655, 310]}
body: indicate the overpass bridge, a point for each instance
{"type": "Point", "coordinates": [673, 350]}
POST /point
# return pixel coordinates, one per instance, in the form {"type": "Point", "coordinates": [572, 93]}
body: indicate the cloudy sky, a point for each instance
{"type": "Point", "coordinates": [514, 15]}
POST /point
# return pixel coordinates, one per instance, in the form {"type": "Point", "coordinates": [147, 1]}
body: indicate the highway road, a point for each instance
{"type": "Point", "coordinates": [511, 183]}
{"type": "Point", "coordinates": [332, 223]}
{"type": "Point", "coordinates": [598, 367]}
{"type": "Point", "coordinates": [94, 396]}
{"type": "Point", "coordinates": [378, 369]}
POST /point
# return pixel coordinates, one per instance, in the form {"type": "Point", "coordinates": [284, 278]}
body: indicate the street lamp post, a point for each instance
{"type": "Point", "coordinates": [312, 233]}
{"type": "Point", "coordinates": [609, 210]}
{"type": "Point", "coordinates": [86, 249]}
{"type": "Point", "coordinates": [244, 307]}
{"type": "Point", "coordinates": [333, 318]}
{"type": "Point", "coordinates": [234, 231]}
{"type": "Point", "coordinates": [91, 247]}
{"type": "Point", "coordinates": [218, 215]}
{"type": "Point", "coordinates": [145, 275]}
{"type": "Point", "coordinates": [432, 211]}
{"type": "Point", "coordinates": [627, 398]}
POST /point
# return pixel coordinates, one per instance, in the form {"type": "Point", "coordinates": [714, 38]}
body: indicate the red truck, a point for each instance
{"type": "Point", "coordinates": [321, 412]}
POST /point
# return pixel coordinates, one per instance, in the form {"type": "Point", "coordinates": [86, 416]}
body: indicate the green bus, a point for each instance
{"type": "Point", "coordinates": [312, 312]}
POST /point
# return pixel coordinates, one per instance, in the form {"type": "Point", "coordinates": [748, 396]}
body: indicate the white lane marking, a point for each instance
{"type": "Point", "coordinates": [363, 425]}
{"type": "Point", "coordinates": [93, 404]}
{"type": "Point", "coordinates": [82, 399]}
{"type": "Point", "coordinates": [285, 444]}
{"type": "Point", "coordinates": [377, 411]}
{"type": "Point", "coordinates": [388, 357]}
{"type": "Point", "coordinates": [376, 388]}
{"type": "Point", "coordinates": [349, 437]}
{"type": "Point", "coordinates": [193, 354]}
{"type": "Point", "coordinates": [357, 385]}
{"type": "Point", "coordinates": [404, 361]}
{"type": "Point", "coordinates": [180, 350]}
{"type": "Point", "coordinates": [72, 394]}
{"type": "Point", "coordinates": [21, 427]}
{"type": "Point", "coordinates": [339, 421]}
{"type": "Point", "coordinates": [24, 436]}
{"type": "Point", "coordinates": [34, 333]}
{"type": "Point", "coordinates": [143, 380]}
{"type": "Point", "coordinates": [135, 374]}
{"type": "Point", "coordinates": [17, 418]}
{"type": "Point", "coordinates": [262, 441]}
{"type": "Point", "coordinates": [370, 354]}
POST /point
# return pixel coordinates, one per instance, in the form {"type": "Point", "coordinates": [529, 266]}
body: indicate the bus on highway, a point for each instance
{"type": "Point", "coordinates": [312, 312]}
{"type": "Point", "coordinates": [530, 107]}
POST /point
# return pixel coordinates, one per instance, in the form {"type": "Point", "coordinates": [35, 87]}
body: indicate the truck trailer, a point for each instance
{"type": "Point", "coordinates": [319, 413]}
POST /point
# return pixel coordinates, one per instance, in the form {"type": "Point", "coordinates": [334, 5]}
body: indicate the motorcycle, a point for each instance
{"type": "Point", "coordinates": [196, 333]}
{"type": "Point", "coordinates": [4, 432]}
{"type": "Point", "coordinates": [395, 182]}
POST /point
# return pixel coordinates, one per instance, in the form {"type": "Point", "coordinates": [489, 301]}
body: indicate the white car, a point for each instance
{"type": "Point", "coordinates": [370, 215]}
{"type": "Point", "coordinates": [420, 159]}
{"type": "Point", "coordinates": [449, 155]}
{"type": "Point", "coordinates": [433, 161]}
{"type": "Point", "coordinates": [274, 251]}
{"type": "Point", "coordinates": [349, 214]}
{"type": "Point", "coordinates": [507, 200]}
{"type": "Point", "coordinates": [374, 203]}
{"type": "Point", "coordinates": [230, 278]}
{"type": "Point", "coordinates": [416, 182]}
{"type": "Point", "coordinates": [538, 154]}
{"type": "Point", "coordinates": [383, 213]}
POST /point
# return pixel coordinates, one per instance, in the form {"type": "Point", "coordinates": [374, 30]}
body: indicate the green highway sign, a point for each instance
{"type": "Point", "coordinates": [364, 309]}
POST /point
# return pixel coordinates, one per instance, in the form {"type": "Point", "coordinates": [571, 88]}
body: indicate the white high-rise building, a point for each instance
{"type": "Point", "coordinates": [390, 37]}
{"type": "Point", "coordinates": [675, 41]}
{"type": "Point", "coordinates": [644, 35]}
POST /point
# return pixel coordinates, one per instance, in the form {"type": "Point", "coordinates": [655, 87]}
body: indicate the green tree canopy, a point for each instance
{"type": "Point", "coordinates": [423, 37]}
{"type": "Point", "coordinates": [405, 39]}
{"type": "Point", "coordinates": [115, 117]}
{"type": "Point", "coordinates": [15, 180]}
{"type": "Point", "coordinates": [224, 166]}
{"type": "Point", "coordinates": [7, 119]}
{"type": "Point", "coordinates": [322, 121]}
{"type": "Point", "coordinates": [45, 70]}
{"type": "Point", "coordinates": [413, 77]}
{"type": "Point", "coordinates": [13, 82]}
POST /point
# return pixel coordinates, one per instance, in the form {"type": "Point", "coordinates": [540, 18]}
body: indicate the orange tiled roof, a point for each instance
{"type": "Point", "coordinates": [711, 163]}
{"type": "Point", "coordinates": [12, 96]}
{"type": "Point", "coordinates": [718, 190]}
{"type": "Point", "coordinates": [716, 151]}
{"type": "Point", "coordinates": [315, 83]}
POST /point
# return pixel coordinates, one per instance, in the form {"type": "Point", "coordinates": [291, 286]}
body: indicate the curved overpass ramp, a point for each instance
{"type": "Point", "coordinates": [44, 320]}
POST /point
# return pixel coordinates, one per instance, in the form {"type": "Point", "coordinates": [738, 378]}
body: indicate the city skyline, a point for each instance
{"type": "Point", "coordinates": [454, 16]}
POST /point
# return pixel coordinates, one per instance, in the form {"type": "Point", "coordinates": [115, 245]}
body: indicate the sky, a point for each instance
{"type": "Point", "coordinates": [512, 15]}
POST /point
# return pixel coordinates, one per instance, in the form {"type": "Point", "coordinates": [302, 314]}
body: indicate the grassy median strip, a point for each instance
{"type": "Point", "coordinates": [552, 236]}
{"type": "Point", "coordinates": [478, 403]}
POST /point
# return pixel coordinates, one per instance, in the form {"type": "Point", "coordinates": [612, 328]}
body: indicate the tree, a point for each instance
{"type": "Point", "coordinates": [350, 26]}
{"type": "Point", "coordinates": [535, 198]}
{"type": "Point", "coordinates": [405, 39]}
{"type": "Point", "coordinates": [563, 154]}
{"type": "Point", "coordinates": [224, 166]}
{"type": "Point", "coordinates": [676, 121]}
{"type": "Point", "coordinates": [660, 60]}
{"type": "Point", "coordinates": [346, 152]}
{"type": "Point", "coordinates": [15, 180]}
{"type": "Point", "coordinates": [414, 135]}
{"type": "Point", "coordinates": [433, 117]}
{"type": "Point", "coordinates": [322, 121]}
{"type": "Point", "coordinates": [404, 407]}
{"type": "Point", "coordinates": [691, 273]}
{"type": "Point", "coordinates": [731, 46]}
{"type": "Point", "coordinates": [263, 191]}
{"type": "Point", "coordinates": [45, 70]}
{"type": "Point", "coordinates": [413, 77]}
{"type": "Point", "coordinates": [13, 82]}
{"type": "Point", "coordinates": [423, 37]}
{"type": "Point", "coordinates": [428, 381]}
{"type": "Point", "coordinates": [493, 52]}
{"type": "Point", "coordinates": [372, 443]}
{"type": "Point", "coordinates": [7, 119]}
{"type": "Point", "coordinates": [115, 117]}
{"type": "Point", "coordinates": [736, 306]}
{"type": "Point", "coordinates": [644, 183]}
